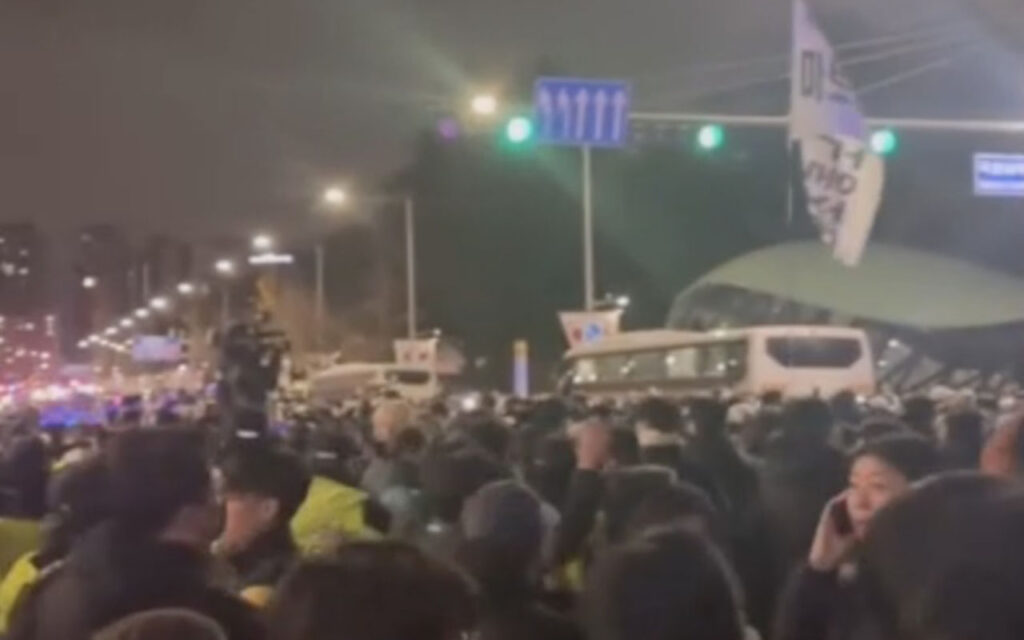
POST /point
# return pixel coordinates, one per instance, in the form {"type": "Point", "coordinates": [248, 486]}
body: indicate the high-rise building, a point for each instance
{"type": "Point", "coordinates": [164, 262]}
{"type": "Point", "coordinates": [23, 281]}
{"type": "Point", "coordinates": [105, 280]}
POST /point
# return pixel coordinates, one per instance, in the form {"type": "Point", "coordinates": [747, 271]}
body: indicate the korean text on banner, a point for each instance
{"type": "Point", "coordinates": [841, 178]}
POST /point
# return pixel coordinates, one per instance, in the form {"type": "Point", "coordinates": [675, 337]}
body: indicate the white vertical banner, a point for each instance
{"type": "Point", "coordinates": [842, 179]}
{"type": "Point", "coordinates": [581, 327]}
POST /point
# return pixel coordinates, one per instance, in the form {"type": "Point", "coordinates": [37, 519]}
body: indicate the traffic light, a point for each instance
{"type": "Point", "coordinates": [710, 137]}
{"type": "Point", "coordinates": [884, 142]}
{"type": "Point", "coordinates": [519, 130]}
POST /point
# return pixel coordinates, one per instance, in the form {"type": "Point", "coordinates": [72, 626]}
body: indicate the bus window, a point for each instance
{"type": "Point", "coordinates": [647, 365]}
{"type": "Point", "coordinates": [612, 368]}
{"type": "Point", "coordinates": [682, 363]}
{"type": "Point", "coordinates": [585, 371]}
{"type": "Point", "coordinates": [724, 360]}
{"type": "Point", "coordinates": [814, 353]}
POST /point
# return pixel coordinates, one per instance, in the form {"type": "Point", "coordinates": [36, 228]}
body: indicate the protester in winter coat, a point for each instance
{"type": "Point", "coordinates": [659, 429]}
{"type": "Point", "coordinates": [77, 503]}
{"type": "Point", "coordinates": [945, 562]}
{"type": "Point", "coordinates": [372, 591]}
{"type": "Point", "coordinates": [335, 510]}
{"type": "Point", "coordinates": [151, 553]}
{"type": "Point", "coordinates": [819, 603]}
{"type": "Point", "coordinates": [799, 474]}
{"type": "Point", "coordinates": [664, 586]}
{"type": "Point", "coordinates": [503, 530]}
{"type": "Point", "coordinates": [262, 489]}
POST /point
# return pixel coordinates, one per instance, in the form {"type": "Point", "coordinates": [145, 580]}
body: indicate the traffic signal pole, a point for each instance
{"type": "Point", "coordinates": [588, 230]}
{"type": "Point", "coordinates": [773, 121]}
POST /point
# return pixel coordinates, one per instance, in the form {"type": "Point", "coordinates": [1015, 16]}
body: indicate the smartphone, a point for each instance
{"type": "Point", "coordinates": [841, 518]}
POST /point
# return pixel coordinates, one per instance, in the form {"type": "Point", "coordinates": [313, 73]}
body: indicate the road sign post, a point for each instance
{"type": "Point", "coordinates": [583, 113]}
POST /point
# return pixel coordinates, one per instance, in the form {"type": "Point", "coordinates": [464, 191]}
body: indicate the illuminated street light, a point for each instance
{"type": "Point", "coordinates": [142, 313]}
{"type": "Point", "coordinates": [83, 344]}
{"type": "Point", "coordinates": [110, 331]}
{"type": "Point", "coordinates": [262, 242]}
{"type": "Point", "coordinates": [484, 104]}
{"type": "Point", "coordinates": [335, 196]}
{"type": "Point", "coordinates": [160, 303]}
{"type": "Point", "coordinates": [89, 282]}
{"type": "Point", "coordinates": [127, 323]}
{"type": "Point", "coordinates": [622, 302]}
{"type": "Point", "coordinates": [224, 267]}
{"type": "Point", "coordinates": [186, 288]}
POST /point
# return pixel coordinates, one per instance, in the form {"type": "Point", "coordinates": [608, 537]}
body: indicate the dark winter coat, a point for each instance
{"type": "Point", "coordinates": [112, 573]}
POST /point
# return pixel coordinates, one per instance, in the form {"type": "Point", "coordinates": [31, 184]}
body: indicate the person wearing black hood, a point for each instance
{"type": "Point", "coordinates": [659, 429]}
{"type": "Point", "coordinates": [151, 553]}
{"type": "Point", "coordinates": [263, 487]}
{"type": "Point", "coordinates": [503, 530]}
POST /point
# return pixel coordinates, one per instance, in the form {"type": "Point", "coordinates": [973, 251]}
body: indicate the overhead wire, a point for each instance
{"type": "Point", "coordinates": [852, 45]}
{"type": "Point", "coordinates": [877, 56]}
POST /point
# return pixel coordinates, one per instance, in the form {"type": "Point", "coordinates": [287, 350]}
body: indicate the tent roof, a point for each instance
{"type": "Point", "coordinates": [893, 284]}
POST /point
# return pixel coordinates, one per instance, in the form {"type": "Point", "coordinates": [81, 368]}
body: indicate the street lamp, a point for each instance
{"type": "Point", "coordinates": [110, 331]}
{"type": "Point", "coordinates": [160, 303]}
{"type": "Point", "coordinates": [186, 288]}
{"type": "Point", "coordinates": [410, 264]}
{"type": "Point", "coordinates": [484, 104]}
{"type": "Point", "coordinates": [142, 313]}
{"type": "Point", "coordinates": [127, 323]}
{"type": "Point", "coordinates": [89, 282]}
{"type": "Point", "coordinates": [224, 267]}
{"type": "Point", "coordinates": [262, 242]}
{"type": "Point", "coordinates": [335, 196]}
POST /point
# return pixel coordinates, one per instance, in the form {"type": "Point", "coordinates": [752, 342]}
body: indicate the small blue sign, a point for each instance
{"type": "Point", "coordinates": [592, 332]}
{"type": "Point", "coordinates": [999, 175]}
{"type": "Point", "coordinates": [582, 112]}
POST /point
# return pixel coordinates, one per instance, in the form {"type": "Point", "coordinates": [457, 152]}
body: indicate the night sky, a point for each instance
{"type": "Point", "coordinates": [211, 115]}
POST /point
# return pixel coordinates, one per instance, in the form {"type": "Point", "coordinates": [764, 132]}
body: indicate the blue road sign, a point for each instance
{"type": "Point", "coordinates": [999, 175]}
{"type": "Point", "coordinates": [582, 112]}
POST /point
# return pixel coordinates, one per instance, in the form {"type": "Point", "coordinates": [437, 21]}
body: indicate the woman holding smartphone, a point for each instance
{"type": "Point", "coordinates": [818, 604]}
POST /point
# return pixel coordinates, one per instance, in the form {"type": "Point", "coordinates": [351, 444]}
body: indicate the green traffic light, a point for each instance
{"type": "Point", "coordinates": [884, 142]}
{"type": "Point", "coordinates": [519, 129]}
{"type": "Point", "coordinates": [710, 137]}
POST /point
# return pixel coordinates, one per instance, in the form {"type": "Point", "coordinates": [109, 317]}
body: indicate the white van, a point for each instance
{"type": "Point", "coordinates": [793, 360]}
{"type": "Point", "coordinates": [345, 381]}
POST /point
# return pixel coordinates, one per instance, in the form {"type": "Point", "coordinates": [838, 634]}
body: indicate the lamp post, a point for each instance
{"type": "Point", "coordinates": [338, 197]}
{"type": "Point", "coordinates": [225, 268]}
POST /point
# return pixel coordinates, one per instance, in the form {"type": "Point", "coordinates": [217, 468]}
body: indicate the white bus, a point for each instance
{"type": "Point", "coordinates": [792, 360]}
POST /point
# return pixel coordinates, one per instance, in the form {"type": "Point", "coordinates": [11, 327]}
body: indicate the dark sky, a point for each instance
{"type": "Point", "coordinates": [203, 115]}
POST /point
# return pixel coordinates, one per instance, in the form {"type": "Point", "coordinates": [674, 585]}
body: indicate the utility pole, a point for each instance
{"type": "Point", "coordinates": [319, 311]}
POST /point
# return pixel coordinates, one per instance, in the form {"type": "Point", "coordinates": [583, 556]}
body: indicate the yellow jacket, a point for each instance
{"type": "Point", "coordinates": [23, 573]}
{"type": "Point", "coordinates": [331, 513]}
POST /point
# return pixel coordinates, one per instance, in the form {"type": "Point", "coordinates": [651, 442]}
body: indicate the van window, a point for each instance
{"type": "Point", "coordinates": [408, 376]}
{"type": "Point", "coordinates": [814, 353]}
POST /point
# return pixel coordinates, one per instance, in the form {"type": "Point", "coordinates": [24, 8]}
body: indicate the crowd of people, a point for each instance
{"type": "Point", "coordinates": [544, 519]}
